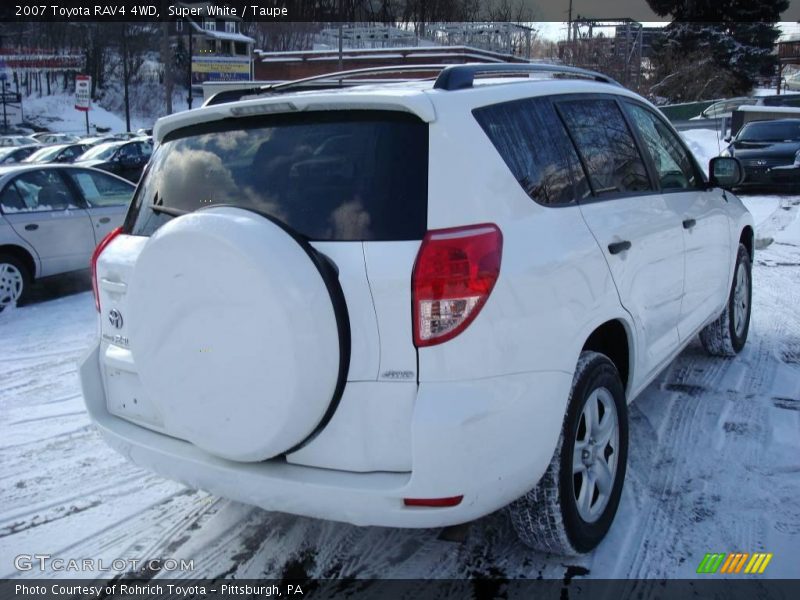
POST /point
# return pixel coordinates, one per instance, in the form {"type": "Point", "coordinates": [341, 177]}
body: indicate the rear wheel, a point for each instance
{"type": "Point", "coordinates": [727, 335]}
{"type": "Point", "coordinates": [572, 507]}
{"type": "Point", "coordinates": [14, 281]}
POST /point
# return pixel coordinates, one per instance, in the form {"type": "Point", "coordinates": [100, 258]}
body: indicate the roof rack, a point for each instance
{"type": "Point", "coordinates": [458, 77]}
{"type": "Point", "coordinates": [450, 77]}
{"type": "Point", "coordinates": [337, 80]}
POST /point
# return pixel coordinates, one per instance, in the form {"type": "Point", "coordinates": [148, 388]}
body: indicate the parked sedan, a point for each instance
{"type": "Point", "coordinates": [51, 219]}
{"type": "Point", "coordinates": [126, 159]}
{"type": "Point", "coordinates": [769, 152]}
{"type": "Point", "coordinates": [16, 140]}
{"type": "Point", "coordinates": [96, 140]}
{"type": "Point", "coordinates": [58, 153]}
{"type": "Point", "coordinates": [15, 154]}
{"type": "Point", "coordinates": [48, 137]}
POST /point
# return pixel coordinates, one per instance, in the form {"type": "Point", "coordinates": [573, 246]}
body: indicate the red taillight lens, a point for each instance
{"type": "Point", "coordinates": [95, 255]}
{"type": "Point", "coordinates": [433, 502]}
{"type": "Point", "coordinates": [455, 272]}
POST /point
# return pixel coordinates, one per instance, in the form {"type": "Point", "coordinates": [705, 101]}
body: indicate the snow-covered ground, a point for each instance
{"type": "Point", "coordinates": [714, 466]}
{"type": "Point", "coordinates": [57, 112]}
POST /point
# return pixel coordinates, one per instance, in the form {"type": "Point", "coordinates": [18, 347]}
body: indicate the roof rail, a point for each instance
{"type": "Point", "coordinates": [337, 79]}
{"type": "Point", "coordinates": [458, 77]}
{"type": "Point", "coordinates": [450, 77]}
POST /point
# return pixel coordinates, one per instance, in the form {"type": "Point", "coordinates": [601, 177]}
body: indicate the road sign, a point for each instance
{"type": "Point", "coordinates": [83, 87]}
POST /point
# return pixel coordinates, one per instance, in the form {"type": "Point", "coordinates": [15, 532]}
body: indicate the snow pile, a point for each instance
{"type": "Point", "coordinates": [57, 113]}
{"type": "Point", "coordinates": [705, 144]}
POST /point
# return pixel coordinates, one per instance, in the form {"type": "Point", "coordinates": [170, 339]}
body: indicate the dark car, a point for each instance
{"type": "Point", "coordinates": [57, 153]}
{"type": "Point", "coordinates": [126, 159]}
{"type": "Point", "coordinates": [769, 152]}
{"type": "Point", "coordinates": [15, 154]}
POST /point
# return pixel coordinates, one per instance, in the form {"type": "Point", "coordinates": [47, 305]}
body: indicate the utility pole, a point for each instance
{"type": "Point", "coordinates": [341, 42]}
{"type": "Point", "coordinates": [125, 76]}
{"type": "Point", "coordinates": [166, 60]}
{"type": "Point", "coordinates": [191, 50]}
{"type": "Point", "coordinates": [569, 23]}
{"type": "Point", "coordinates": [5, 116]}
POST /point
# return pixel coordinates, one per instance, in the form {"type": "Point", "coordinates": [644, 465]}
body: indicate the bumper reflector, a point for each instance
{"type": "Point", "coordinates": [433, 502]}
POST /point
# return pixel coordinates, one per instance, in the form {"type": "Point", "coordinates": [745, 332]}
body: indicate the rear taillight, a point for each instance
{"type": "Point", "coordinates": [454, 274]}
{"type": "Point", "coordinates": [95, 255]}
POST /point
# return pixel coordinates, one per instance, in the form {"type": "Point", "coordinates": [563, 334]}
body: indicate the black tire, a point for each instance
{"type": "Point", "coordinates": [720, 338]}
{"type": "Point", "coordinates": [548, 518]}
{"type": "Point", "coordinates": [10, 292]}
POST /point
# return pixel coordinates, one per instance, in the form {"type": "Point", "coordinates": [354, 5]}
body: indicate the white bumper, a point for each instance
{"type": "Point", "coordinates": [489, 440]}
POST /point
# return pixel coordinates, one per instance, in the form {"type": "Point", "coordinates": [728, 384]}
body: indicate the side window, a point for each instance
{"type": "Point", "coordinates": [102, 190]}
{"type": "Point", "coordinates": [673, 163]}
{"type": "Point", "coordinates": [11, 201]}
{"type": "Point", "coordinates": [533, 143]}
{"type": "Point", "coordinates": [43, 191]}
{"type": "Point", "coordinates": [129, 151]}
{"type": "Point", "coordinates": [606, 145]}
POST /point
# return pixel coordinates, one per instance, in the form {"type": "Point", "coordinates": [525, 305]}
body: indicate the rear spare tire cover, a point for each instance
{"type": "Point", "coordinates": [233, 333]}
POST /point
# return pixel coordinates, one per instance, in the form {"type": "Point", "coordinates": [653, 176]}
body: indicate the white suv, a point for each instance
{"type": "Point", "coordinates": [412, 304]}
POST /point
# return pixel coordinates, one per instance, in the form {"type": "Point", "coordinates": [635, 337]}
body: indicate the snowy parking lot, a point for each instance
{"type": "Point", "coordinates": [714, 464]}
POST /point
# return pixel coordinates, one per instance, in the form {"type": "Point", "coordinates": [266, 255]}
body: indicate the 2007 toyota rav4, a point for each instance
{"type": "Point", "coordinates": [411, 304]}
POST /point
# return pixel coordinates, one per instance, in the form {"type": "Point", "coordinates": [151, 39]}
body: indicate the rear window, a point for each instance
{"type": "Point", "coordinates": [344, 175]}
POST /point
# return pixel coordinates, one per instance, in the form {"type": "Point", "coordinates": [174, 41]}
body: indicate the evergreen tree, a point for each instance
{"type": "Point", "coordinates": [714, 48]}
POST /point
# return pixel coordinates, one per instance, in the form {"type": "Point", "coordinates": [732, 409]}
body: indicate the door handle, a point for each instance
{"type": "Point", "coordinates": [617, 247]}
{"type": "Point", "coordinates": [31, 227]}
{"type": "Point", "coordinates": [104, 219]}
{"type": "Point", "coordinates": [689, 223]}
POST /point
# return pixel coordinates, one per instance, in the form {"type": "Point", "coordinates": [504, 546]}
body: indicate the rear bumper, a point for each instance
{"type": "Point", "coordinates": [489, 440]}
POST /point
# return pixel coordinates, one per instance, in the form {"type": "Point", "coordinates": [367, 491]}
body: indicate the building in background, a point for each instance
{"type": "Point", "coordinates": [283, 66]}
{"type": "Point", "coordinates": [620, 48]}
{"type": "Point", "coordinates": [218, 49]}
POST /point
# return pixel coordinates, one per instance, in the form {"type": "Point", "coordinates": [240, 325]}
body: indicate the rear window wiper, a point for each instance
{"type": "Point", "coordinates": [175, 212]}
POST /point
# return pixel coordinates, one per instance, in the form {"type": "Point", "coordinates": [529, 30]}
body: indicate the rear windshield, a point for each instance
{"type": "Point", "coordinates": [344, 175]}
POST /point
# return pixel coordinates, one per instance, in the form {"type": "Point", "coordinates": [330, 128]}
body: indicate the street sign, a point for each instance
{"type": "Point", "coordinates": [83, 87]}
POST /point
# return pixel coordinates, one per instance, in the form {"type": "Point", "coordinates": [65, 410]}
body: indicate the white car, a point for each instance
{"type": "Point", "coordinates": [16, 140]}
{"type": "Point", "coordinates": [413, 304]}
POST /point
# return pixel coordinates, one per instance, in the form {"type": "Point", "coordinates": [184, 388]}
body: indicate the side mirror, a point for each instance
{"type": "Point", "coordinates": [727, 140]}
{"type": "Point", "coordinates": [725, 172]}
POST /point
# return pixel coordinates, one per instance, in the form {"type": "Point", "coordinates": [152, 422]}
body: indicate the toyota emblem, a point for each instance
{"type": "Point", "coordinates": [115, 318]}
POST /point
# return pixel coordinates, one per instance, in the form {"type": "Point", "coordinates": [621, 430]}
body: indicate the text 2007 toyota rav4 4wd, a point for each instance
{"type": "Point", "coordinates": [412, 304]}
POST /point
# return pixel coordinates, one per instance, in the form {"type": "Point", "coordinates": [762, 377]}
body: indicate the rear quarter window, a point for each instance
{"type": "Point", "coordinates": [338, 175]}
{"type": "Point", "coordinates": [534, 144]}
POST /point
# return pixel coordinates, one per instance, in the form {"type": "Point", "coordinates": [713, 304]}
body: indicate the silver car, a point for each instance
{"type": "Point", "coordinates": [51, 219]}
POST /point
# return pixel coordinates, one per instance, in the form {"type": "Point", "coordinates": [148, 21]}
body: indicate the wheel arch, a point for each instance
{"type": "Point", "coordinates": [23, 255]}
{"type": "Point", "coordinates": [746, 237]}
{"type": "Point", "coordinates": [614, 338]}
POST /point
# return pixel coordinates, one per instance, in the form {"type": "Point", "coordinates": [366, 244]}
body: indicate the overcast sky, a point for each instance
{"type": "Point", "coordinates": [558, 30]}
{"type": "Point", "coordinates": [557, 10]}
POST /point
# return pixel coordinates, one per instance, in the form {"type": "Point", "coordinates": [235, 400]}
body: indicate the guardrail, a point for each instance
{"type": "Point", "coordinates": [686, 110]}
